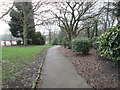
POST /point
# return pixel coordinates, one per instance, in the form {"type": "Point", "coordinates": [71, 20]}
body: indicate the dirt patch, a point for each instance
{"type": "Point", "coordinates": [99, 72]}
{"type": "Point", "coordinates": [27, 74]}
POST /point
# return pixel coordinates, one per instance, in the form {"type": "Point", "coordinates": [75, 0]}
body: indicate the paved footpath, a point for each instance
{"type": "Point", "coordinates": [60, 73]}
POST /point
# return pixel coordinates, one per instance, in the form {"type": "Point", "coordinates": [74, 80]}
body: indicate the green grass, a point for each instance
{"type": "Point", "coordinates": [13, 58]}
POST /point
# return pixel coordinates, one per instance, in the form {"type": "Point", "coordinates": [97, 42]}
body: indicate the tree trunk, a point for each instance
{"type": "Point", "coordinates": [96, 28]}
{"type": "Point", "coordinates": [50, 37]}
{"type": "Point", "coordinates": [5, 43]}
{"type": "Point", "coordinates": [70, 44]}
{"type": "Point", "coordinates": [88, 32]}
{"type": "Point", "coordinates": [25, 34]}
{"type": "Point", "coordinates": [92, 34]}
{"type": "Point", "coordinates": [11, 40]}
{"type": "Point", "coordinates": [69, 41]}
{"type": "Point", "coordinates": [25, 26]}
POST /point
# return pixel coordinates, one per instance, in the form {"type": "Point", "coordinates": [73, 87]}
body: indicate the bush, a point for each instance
{"type": "Point", "coordinates": [94, 39]}
{"type": "Point", "coordinates": [61, 35]}
{"type": "Point", "coordinates": [94, 42]}
{"type": "Point", "coordinates": [29, 41]}
{"type": "Point", "coordinates": [18, 42]}
{"type": "Point", "coordinates": [65, 41]}
{"type": "Point", "coordinates": [55, 41]}
{"type": "Point", "coordinates": [109, 43]}
{"type": "Point", "coordinates": [38, 39]}
{"type": "Point", "coordinates": [81, 45]}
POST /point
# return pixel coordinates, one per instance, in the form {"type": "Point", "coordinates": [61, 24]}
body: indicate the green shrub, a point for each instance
{"type": "Point", "coordinates": [60, 36]}
{"type": "Point", "coordinates": [94, 38]}
{"type": "Point", "coordinates": [54, 41]}
{"type": "Point", "coordinates": [81, 45]}
{"type": "Point", "coordinates": [38, 39]}
{"type": "Point", "coordinates": [94, 42]}
{"type": "Point", "coordinates": [29, 41]}
{"type": "Point", "coordinates": [18, 42]}
{"type": "Point", "coordinates": [109, 43]}
{"type": "Point", "coordinates": [65, 41]}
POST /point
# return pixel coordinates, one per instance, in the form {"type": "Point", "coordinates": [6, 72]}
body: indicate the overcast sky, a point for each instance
{"type": "Point", "coordinates": [4, 27]}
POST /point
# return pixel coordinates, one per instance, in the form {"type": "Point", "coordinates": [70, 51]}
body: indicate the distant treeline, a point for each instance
{"type": "Point", "coordinates": [7, 37]}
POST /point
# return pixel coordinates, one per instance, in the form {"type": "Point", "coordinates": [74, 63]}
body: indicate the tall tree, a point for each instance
{"type": "Point", "coordinates": [118, 12]}
{"type": "Point", "coordinates": [72, 16]}
{"type": "Point", "coordinates": [48, 26]}
{"type": "Point", "coordinates": [28, 12]}
{"type": "Point", "coordinates": [22, 21]}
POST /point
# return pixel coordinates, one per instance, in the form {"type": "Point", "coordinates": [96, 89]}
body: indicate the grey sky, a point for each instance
{"type": "Point", "coordinates": [4, 26]}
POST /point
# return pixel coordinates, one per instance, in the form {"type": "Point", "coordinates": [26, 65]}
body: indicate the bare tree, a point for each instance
{"type": "Point", "coordinates": [6, 12]}
{"type": "Point", "coordinates": [72, 16]}
{"type": "Point", "coordinates": [108, 16]}
{"type": "Point", "coordinates": [48, 26]}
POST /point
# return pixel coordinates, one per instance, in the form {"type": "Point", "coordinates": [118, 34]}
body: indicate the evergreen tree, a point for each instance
{"type": "Point", "coordinates": [38, 39]}
{"type": "Point", "coordinates": [22, 21]}
{"type": "Point", "coordinates": [16, 24]}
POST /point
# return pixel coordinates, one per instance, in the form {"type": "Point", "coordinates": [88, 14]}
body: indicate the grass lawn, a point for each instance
{"type": "Point", "coordinates": [13, 58]}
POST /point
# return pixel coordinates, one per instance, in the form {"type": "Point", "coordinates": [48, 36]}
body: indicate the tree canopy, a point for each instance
{"type": "Point", "coordinates": [22, 21]}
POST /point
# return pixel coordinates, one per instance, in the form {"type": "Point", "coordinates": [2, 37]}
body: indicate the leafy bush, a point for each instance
{"type": "Point", "coordinates": [65, 41]}
{"type": "Point", "coordinates": [94, 38]}
{"type": "Point", "coordinates": [18, 42]}
{"type": "Point", "coordinates": [29, 41]}
{"type": "Point", "coordinates": [109, 43]}
{"type": "Point", "coordinates": [60, 37]}
{"type": "Point", "coordinates": [81, 45]}
{"type": "Point", "coordinates": [94, 42]}
{"type": "Point", "coordinates": [54, 41]}
{"type": "Point", "coordinates": [38, 39]}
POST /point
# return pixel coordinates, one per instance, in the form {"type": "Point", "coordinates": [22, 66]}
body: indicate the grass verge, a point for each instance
{"type": "Point", "coordinates": [13, 58]}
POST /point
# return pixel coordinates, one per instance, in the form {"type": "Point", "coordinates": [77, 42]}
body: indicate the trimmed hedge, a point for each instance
{"type": "Point", "coordinates": [81, 45]}
{"type": "Point", "coordinates": [109, 43]}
